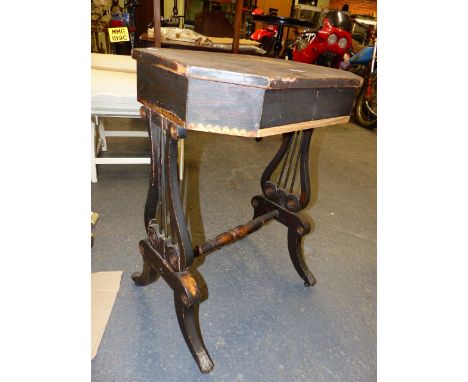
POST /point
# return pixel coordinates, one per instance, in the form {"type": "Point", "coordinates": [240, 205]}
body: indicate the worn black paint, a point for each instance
{"type": "Point", "coordinates": [162, 88]}
{"type": "Point", "coordinates": [197, 88]}
{"type": "Point", "coordinates": [283, 107]}
{"type": "Point", "coordinates": [217, 103]}
{"type": "Point", "coordinates": [247, 92]}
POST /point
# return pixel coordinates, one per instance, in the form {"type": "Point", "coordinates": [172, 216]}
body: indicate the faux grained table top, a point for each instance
{"type": "Point", "coordinates": [246, 70]}
{"type": "Point", "coordinates": [242, 95]}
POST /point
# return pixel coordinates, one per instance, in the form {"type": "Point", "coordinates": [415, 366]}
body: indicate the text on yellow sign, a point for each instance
{"type": "Point", "coordinates": [118, 34]}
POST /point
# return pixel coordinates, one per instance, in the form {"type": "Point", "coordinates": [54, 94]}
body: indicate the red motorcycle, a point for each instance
{"type": "Point", "coordinates": [265, 36]}
{"type": "Point", "coordinates": [327, 46]}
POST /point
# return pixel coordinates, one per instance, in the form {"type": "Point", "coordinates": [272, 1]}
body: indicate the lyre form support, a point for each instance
{"type": "Point", "coordinates": [168, 251]}
{"type": "Point", "coordinates": [280, 195]}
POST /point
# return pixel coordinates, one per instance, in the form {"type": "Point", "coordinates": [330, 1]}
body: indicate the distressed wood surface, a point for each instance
{"type": "Point", "coordinates": [246, 70]}
{"type": "Point", "coordinates": [163, 89]}
{"type": "Point", "coordinates": [225, 130]}
{"type": "Point", "coordinates": [218, 104]}
{"type": "Point", "coordinates": [241, 95]}
{"type": "Point", "coordinates": [300, 126]}
{"type": "Point", "coordinates": [286, 106]}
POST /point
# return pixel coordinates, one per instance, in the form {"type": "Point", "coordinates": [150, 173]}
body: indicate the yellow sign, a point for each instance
{"type": "Point", "coordinates": [118, 34]}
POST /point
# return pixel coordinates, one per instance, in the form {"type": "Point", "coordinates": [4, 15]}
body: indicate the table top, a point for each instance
{"type": "Point", "coordinates": [242, 95]}
{"type": "Point", "coordinates": [262, 72]}
{"type": "Point", "coordinates": [280, 20]}
{"type": "Point", "coordinates": [216, 47]}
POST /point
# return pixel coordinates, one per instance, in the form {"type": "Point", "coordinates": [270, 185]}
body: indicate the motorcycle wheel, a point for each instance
{"type": "Point", "coordinates": [326, 59]}
{"type": "Point", "coordinates": [266, 43]}
{"type": "Point", "coordinates": [366, 103]}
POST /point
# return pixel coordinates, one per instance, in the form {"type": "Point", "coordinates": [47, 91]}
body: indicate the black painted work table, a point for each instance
{"type": "Point", "coordinates": [239, 95]}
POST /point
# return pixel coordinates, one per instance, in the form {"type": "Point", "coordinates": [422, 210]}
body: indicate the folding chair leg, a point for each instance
{"type": "Point", "coordinates": [93, 153]}
{"type": "Point", "coordinates": [102, 134]}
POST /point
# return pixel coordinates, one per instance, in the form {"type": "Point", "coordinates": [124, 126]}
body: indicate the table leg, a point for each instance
{"type": "Point", "coordinates": [278, 41]}
{"type": "Point", "coordinates": [93, 153]}
{"type": "Point", "coordinates": [167, 252]}
{"type": "Point", "coordinates": [289, 194]}
{"type": "Point", "coordinates": [102, 133]}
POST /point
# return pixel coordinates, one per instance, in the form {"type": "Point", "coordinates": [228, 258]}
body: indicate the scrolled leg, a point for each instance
{"type": "Point", "coordinates": [297, 258]}
{"type": "Point", "coordinates": [168, 250]}
{"type": "Point", "coordinates": [148, 275]}
{"type": "Point", "coordinates": [289, 193]}
{"type": "Point", "coordinates": [190, 328]}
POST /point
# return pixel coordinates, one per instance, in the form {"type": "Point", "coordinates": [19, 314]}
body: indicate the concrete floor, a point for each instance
{"type": "Point", "coordinates": [259, 323]}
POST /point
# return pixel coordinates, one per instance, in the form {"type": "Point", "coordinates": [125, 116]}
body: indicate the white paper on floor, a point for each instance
{"type": "Point", "coordinates": [104, 289]}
